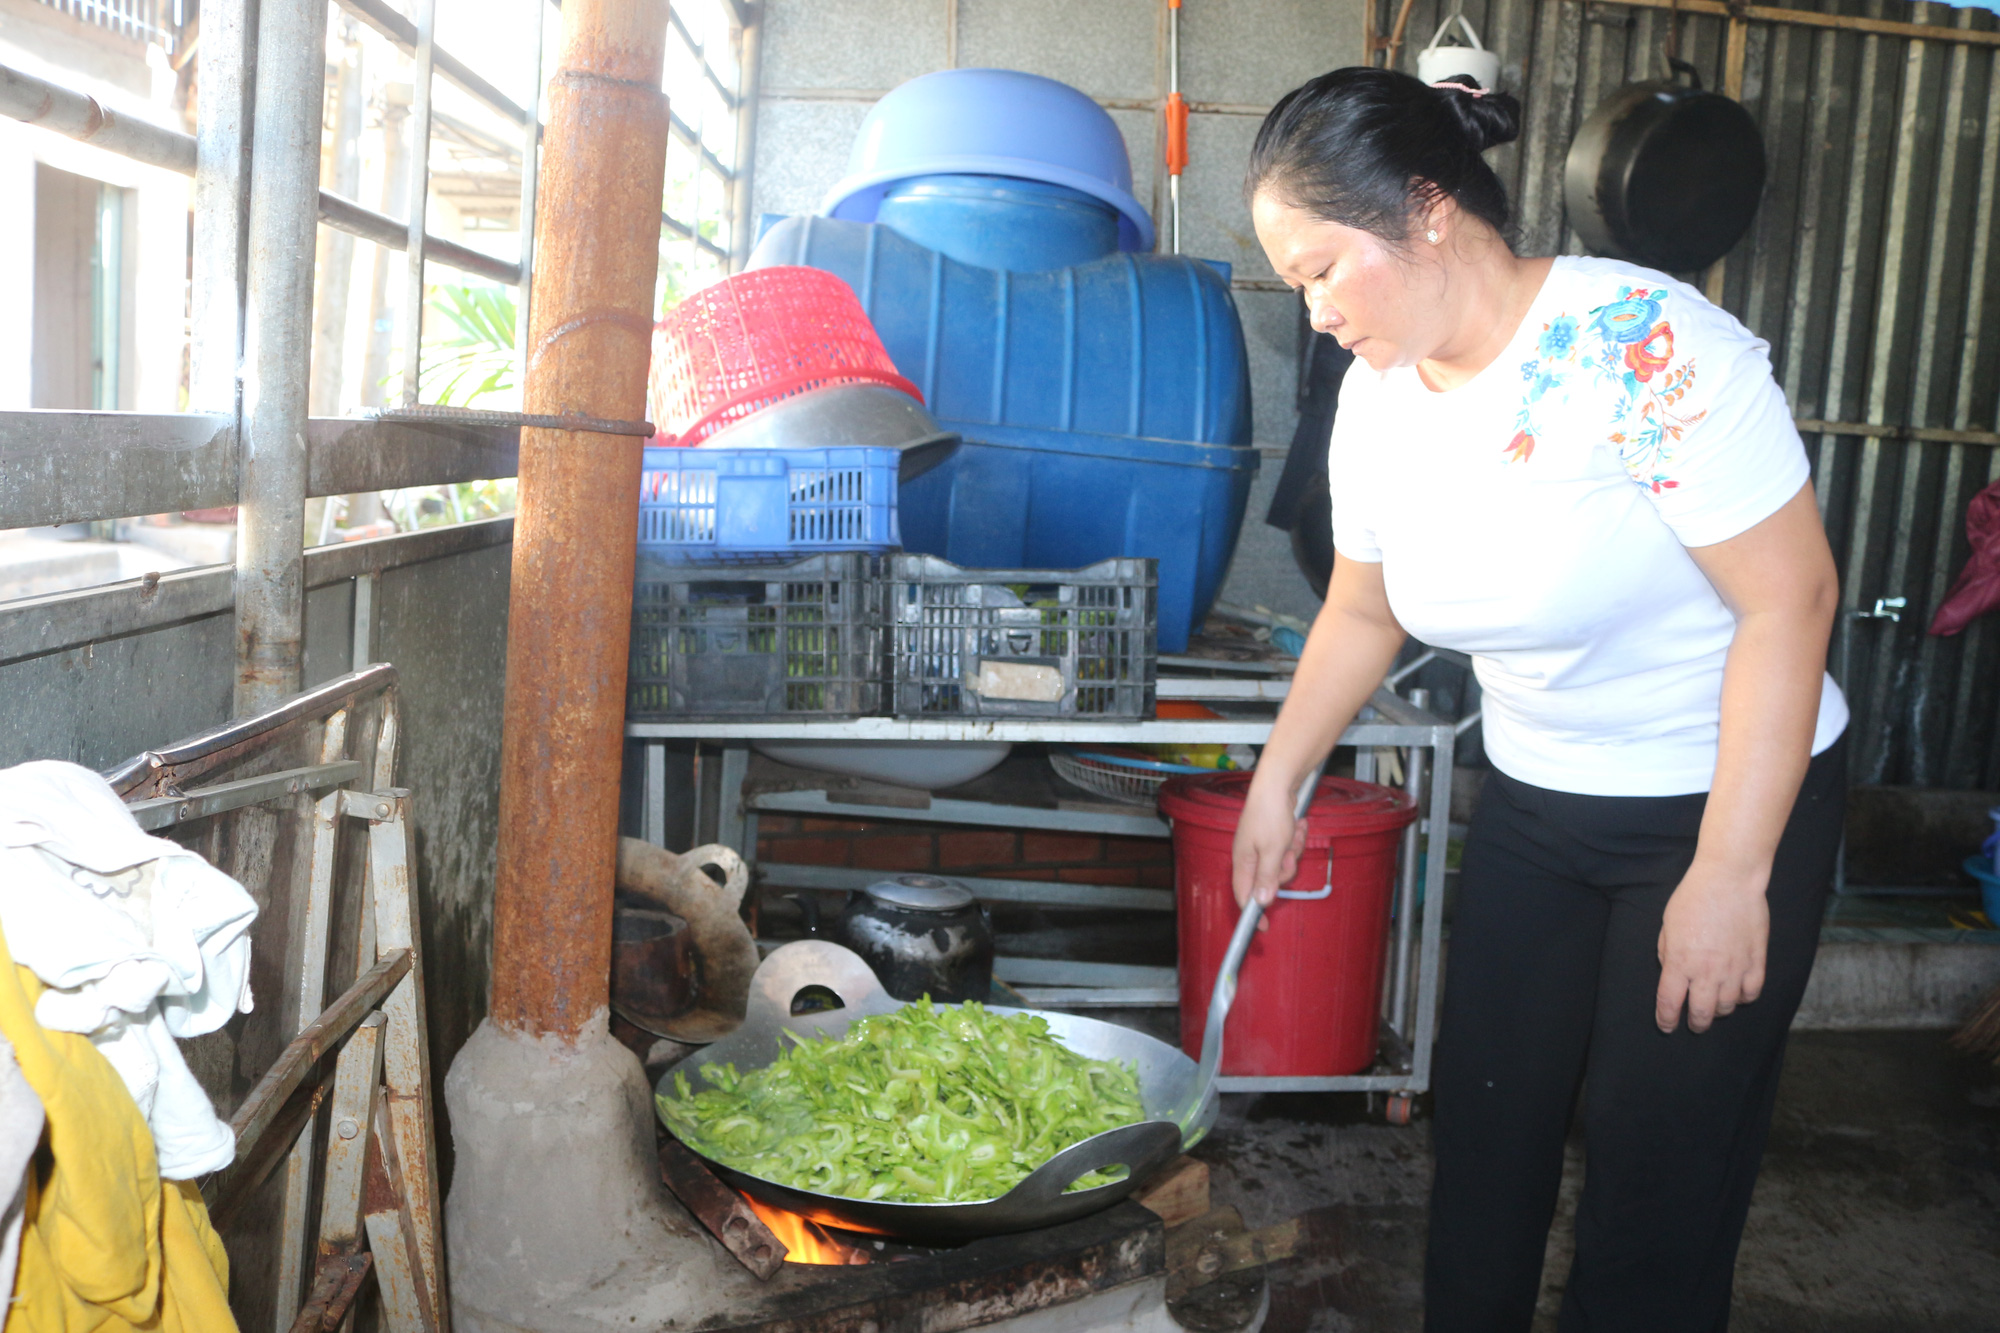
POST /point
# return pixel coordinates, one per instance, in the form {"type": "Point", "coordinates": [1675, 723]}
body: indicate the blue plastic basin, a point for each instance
{"type": "Point", "coordinates": [1020, 497]}
{"type": "Point", "coordinates": [990, 122]}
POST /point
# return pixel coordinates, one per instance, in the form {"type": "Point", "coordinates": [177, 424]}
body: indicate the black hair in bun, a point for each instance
{"type": "Point", "coordinates": [1488, 119]}
{"type": "Point", "coordinates": [1368, 147]}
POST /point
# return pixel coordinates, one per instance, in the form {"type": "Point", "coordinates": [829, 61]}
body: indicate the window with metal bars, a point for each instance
{"type": "Point", "coordinates": [156, 21]}
{"type": "Point", "coordinates": [708, 85]}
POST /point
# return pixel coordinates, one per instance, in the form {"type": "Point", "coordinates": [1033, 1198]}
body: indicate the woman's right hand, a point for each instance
{"type": "Point", "coordinates": [1269, 842]}
{"type": "Point", "coordinates": [1354, 639]}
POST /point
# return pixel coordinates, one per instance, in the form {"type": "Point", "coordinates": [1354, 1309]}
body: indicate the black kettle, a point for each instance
{"type": "Point", "coordinates": [921, 934]}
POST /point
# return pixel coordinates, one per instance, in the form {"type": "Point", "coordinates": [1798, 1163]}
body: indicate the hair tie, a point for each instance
{"type": "Point", "coordinates": [1465, 88]}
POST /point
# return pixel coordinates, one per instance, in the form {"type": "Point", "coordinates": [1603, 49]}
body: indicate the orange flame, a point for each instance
{"type": "Point", "coordinates": [806, 1241]}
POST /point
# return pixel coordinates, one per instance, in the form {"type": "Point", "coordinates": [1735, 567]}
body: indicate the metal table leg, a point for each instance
{"type": "Point", "coordinates": [1406, 883]}
{"type": "Point", "coordinates": [653, 795]}
{"type": "Point", "coordinates": [730, 821]}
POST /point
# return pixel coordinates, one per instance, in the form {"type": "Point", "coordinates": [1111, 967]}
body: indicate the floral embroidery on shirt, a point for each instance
{"type": "Point", "coordinates": [1628, 345]}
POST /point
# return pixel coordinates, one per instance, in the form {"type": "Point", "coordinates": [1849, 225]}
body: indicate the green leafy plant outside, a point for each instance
{"type": "Point", "coordinates": [479, 361]}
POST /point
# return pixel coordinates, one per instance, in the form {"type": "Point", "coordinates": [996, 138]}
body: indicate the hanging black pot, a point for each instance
{"type": "Point", "coordinates": [1665, 174]}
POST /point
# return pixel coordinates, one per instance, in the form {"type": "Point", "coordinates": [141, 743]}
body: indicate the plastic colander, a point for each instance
{"type": "Point", "coordinates": [754, 339]}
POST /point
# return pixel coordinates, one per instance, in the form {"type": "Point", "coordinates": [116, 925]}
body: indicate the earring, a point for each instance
{"type": "Point", "coordinates": [1432, 235]}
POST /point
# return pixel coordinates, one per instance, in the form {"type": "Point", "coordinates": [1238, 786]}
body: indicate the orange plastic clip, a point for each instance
{"type": "Point", "coordinates": [1177, 126]}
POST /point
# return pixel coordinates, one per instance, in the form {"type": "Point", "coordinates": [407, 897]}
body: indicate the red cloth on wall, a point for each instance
{"type": "Point", "coordinates": [1978, 588]}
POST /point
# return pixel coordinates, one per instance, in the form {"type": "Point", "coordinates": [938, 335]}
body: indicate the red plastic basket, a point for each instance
{"type": "Point", "coordinates": [754, 338]}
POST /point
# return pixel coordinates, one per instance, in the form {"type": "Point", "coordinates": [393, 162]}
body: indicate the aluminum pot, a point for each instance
{"type": "Point", "coordinates": [1665, 174]}
{"type": "Point", "coordinates": [920, 934]}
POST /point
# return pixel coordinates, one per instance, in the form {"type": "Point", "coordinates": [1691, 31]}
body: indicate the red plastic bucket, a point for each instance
{"type": "Point", "coordinates": [1309, 996]}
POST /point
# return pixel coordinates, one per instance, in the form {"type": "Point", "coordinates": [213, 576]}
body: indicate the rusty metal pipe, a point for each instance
{"type": "Point", "coordinates": [596, 256]}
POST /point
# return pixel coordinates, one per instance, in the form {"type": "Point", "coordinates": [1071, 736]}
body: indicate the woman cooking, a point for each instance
{"type": "Point", "coordinates": [1582, 474]}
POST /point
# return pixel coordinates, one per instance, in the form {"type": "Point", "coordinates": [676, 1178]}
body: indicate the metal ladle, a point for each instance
{"type": "Point", "coordinates": [1225, 981]}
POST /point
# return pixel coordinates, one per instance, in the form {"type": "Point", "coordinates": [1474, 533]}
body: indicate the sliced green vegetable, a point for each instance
{"type": "Point", "coordinates": [929, 1104]}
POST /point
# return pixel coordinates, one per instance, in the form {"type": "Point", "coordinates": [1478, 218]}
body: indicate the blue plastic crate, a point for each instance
{"type": "Point", "coordinates": [744, 506]}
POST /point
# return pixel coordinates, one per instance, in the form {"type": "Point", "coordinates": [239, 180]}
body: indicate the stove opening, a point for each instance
{"type": "Point", "coordinates": [807, 1242]}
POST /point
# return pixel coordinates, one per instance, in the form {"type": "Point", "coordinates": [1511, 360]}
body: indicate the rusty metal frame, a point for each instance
{"type": "Point", "coordinates": [384, 1007]}
{"type": "Point", "coordinates": [161, 772]}
{"type": "Point", "coordinates": [262, 1112]}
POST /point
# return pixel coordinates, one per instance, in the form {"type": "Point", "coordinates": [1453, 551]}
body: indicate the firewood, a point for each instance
{"type": "Point", "coordinates": [1201, 1251]}
{"type": "Point", "coordinates": [1179, 1194]}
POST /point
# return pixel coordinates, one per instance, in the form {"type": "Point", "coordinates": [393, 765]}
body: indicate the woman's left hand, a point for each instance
{"type": "Point", "coordinates": [1711, 947]}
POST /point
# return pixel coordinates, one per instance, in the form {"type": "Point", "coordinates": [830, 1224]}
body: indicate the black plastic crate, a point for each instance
{"type": "Point", "coordinates": [806, 637]}
{"type": "Point", "coordinates": [1023, 642]}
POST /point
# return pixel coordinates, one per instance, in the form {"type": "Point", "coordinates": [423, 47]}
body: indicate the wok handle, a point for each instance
{"type": "Point", "coordinates": [735, 872]}
{"type": "Point", "coordinates": [817, 962]}
{"type": "Point", "coordinates": [1140, 1149]}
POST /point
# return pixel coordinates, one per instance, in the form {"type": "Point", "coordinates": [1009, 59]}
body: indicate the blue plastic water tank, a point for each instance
{"type": "Point", "coordinates": [1145, 345]}
{"type": "Point", "coordinates": [1103, 405]}
{"type": "Point", "coordinates": [994, 222]}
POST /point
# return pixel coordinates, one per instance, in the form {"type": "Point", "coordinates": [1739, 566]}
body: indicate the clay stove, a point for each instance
{"type": "Point", "coordinates": [1106, 1271]}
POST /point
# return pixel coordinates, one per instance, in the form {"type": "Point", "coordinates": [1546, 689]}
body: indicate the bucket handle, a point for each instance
{"type": "Point", "coordinates": [1301, 896]}
{"type": "Point", "coordinates": [1464, 23]}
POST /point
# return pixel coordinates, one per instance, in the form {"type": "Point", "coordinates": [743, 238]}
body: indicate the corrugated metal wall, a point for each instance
{"type": "Point", "coordinates": [1870, 270]}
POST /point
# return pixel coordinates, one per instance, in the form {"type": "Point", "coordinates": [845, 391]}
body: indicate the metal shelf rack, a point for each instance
{"type": "Point", "coordinates": [1389, 723]}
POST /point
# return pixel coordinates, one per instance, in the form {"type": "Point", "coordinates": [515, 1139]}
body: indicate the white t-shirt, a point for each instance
{"type": "Point", "coordinates": [1537, 517]}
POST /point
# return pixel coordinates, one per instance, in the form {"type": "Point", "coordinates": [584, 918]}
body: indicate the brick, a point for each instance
{"type": "Point", "coordinates": [1122, 875]}
{"type": "Point", "coordinates": [960, 849]}
{"type": "Point", "coordinates": [1060, 848]}
{"type": "Point", "coordinates": [1139, 849]}
{"type": "Point", "coordinates": [1017, 873]}
{"type": "Point", "coordinates": [1157, 876]}
{"type": "Point", "coordinates": [894, 851]}
{"type": "Point", "coordinates": [777, 824]}
{"type": "Point", "coordinates": [835, 825]}
{"type": "Point", "coordinates": [805, 851]}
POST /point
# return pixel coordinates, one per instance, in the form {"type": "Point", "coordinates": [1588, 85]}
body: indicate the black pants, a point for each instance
{"type": "Point", "coordinates": [1552, 972]}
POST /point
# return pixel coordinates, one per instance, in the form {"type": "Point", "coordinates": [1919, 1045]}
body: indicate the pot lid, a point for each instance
{"type": "Point", "coordinates": [1339, 806]}
{"type": "Point", "coordinates": [921, 893]}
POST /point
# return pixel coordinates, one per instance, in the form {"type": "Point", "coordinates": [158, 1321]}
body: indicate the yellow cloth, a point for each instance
{"type": "Point", "coordinates": [105, 1243]}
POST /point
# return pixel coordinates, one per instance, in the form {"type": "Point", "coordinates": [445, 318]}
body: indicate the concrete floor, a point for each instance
{"type": "Point", "coordinates": [1878, 1210]}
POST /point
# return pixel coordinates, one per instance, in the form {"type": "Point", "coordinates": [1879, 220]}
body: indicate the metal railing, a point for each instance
{"type": "Point", "coordinates": [66, 466]}
{"type": "Point", "coordinates": [155, 21]}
